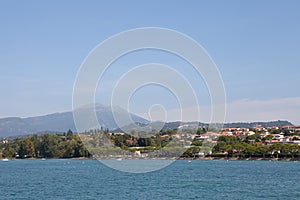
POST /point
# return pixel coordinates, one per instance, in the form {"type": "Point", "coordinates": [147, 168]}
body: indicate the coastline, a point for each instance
{"type": "Point", "coordinates": [243, 159]}
{"type": "Point", "coordinates": [187, 159]}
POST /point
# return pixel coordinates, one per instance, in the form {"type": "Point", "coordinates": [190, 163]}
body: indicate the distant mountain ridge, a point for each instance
{"type": "Point", "coordinates": [60, 122]}
{"type": "Point", "coordinates": [278, 123]}
{"type": "Point", "coordinates": [177, 124]}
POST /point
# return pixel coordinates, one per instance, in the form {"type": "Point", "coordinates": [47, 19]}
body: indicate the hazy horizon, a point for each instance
{"type": "Point", "coordinates": [145, 116]}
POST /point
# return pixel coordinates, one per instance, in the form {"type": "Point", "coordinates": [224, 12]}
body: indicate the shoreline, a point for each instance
{"type": "Point", "coordinates": [244, 159]}
{"type": "Point", "coordinates": [187, 159]}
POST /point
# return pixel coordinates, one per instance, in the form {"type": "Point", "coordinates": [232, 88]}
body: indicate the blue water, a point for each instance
{"type": "Point", "coordinates": [89, 179]}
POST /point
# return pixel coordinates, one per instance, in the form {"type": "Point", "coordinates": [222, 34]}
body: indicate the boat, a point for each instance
{"type": "Point", "coordinates": [5, 159]}
{"type": "Point", "coordinates": [43, 159]}
{"type": "Point", "coordinates": [119, 159]}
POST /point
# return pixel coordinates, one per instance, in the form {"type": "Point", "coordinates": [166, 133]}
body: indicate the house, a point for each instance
{"type": "Point", "coordinates": [250, 133]}
{"type": "Point", "coordinates": [292, 129]}
{"type": "Point", "coordinates": [278, 137]}
{"type": "Point", "coordinates": [264, 134]}
{"type": "Point", "coordinates": [4, 141]}
{"type": "Point", "coordinates": [208, 136]}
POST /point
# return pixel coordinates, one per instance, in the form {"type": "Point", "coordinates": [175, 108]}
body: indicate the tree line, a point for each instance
{"type": "Point", "coordinates": [66, 145]}
{"type": "Point", "coordinates": [69, 145]}
{"type": "Point", "coordinates": [232, 146]}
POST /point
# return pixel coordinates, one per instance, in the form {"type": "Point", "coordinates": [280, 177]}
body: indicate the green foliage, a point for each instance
{"type": "Point", "coordinates": [168, 132]}
{"type": "Point", "coordinates": [45, 146]}
{"type": "Point", "coordinates": [275, 131]}
{"type": "Point", "coordinates": [8, 152]}
{"type": "Point", "coordinates": [201, 131]}
{"type": "Point", "coordinates": [144, 142]}
{"type": "Point", "coordinates": [26, 148]}
{"type": "Point", "coordinates": [228, 146]}
{"type": "Point", "coordinates": [268, 137]}
{"type": "Point", "coordinates": [231, 140]}
{"type": "Point", "coordinates": [197, 143]}
{"type": "Point", "coordinates": [256, 137]}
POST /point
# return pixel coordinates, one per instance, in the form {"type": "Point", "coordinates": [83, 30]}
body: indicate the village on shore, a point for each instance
{"type": "Point", "coordinates": [270, 143]}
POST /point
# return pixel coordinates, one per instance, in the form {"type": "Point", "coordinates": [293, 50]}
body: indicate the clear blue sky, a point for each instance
{"type": "Point", "coordinates": [255, 44]}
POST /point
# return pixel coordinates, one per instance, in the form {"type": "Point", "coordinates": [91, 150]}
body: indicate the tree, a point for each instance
{"type": "Point", "coordinates": [74, 148]}
{"type": "Point", "coordinates": [36, 140]}
{"type": "Point", "coordinates": [29, 147]}
{"type": "Point", "coordinates": [276, 149]}
{"type": "Point", "coordinates": [240, 148]}
{"type": "Point", "coordinates": [263, 150]}
{"type": "Point", "coordinates": [201, 131]}
{"type": "Point", "coordinates": [26, 148]}
{"type": "Point", "coordinates": [268, 137]}
{"type": "Point", "coordinates": [229, 139]}
{"type": "Point", "coordinates": [255, 137]}
{"type": "Point", "coordinates": [197, 143]}
{"type": "Point", "coordinates": [49, 146]}
{"type": "Point", "coordinates": [228, 149]}
{"type": "Point", "coordinates": [8, 152]}
{"type": "Point", "coordinates": [69, 134]}
{"type": "Point", "coordinates": [275, 131]}
{"type": "Point", "coordinates": [292, 150]}
{"type": "Point", "coordinates": [143, 142]}
{"type": "Point", "coordinates": [219, 146]}
{"type": "Point", "coordinates": [250, 150]}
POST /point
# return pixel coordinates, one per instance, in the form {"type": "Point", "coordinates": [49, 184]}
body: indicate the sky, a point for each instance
{"type": "Point", "coordinates": [254, 44]}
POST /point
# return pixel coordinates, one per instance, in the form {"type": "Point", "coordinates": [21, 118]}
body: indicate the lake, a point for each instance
{"type": "Point", "coordinates": [90, 179]}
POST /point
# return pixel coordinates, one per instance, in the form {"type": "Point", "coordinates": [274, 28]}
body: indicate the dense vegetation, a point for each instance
{"type": "Point", "coordinates": [245, 148]}
{"type": "Point", "coordinates": [65, 145]}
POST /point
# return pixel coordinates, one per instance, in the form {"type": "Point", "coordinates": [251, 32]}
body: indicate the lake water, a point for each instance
{"type": "Point", "coordinates": [89, 179]}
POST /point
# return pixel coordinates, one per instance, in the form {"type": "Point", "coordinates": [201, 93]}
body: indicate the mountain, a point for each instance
{"type": "Point", "coordinates": [60, 122]}
{"type": "Point", "coordinates": [278, 123]}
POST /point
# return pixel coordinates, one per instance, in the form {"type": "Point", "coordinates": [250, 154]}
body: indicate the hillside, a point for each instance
{"type": "Point", "coordinates": [58, 122]}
